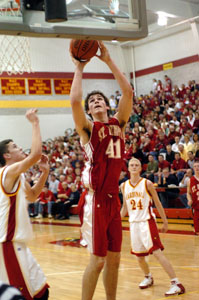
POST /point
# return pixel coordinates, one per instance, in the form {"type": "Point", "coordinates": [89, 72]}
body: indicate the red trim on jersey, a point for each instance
{"type": "Point", "coordinates": [8, 194]}
{"type": "Point", "coordinates": [42, 292]}
{"type": "Point", "coordinates": [15, 275]}
{"type": "Point", "coordinates": [11, 219]}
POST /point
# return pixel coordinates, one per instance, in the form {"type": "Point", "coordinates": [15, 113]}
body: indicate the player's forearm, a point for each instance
{"type": "Point", "coordinates": [36, 147]}
{"type": "Point", "coordinates": [37, 188]}
{"type": "Point", "coordinates": [121, 79]}
{"type": "Point", "coordinates": [76, 88]}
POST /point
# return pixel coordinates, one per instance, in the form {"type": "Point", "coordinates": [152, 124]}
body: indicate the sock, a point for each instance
{"type": "Point", "coordinates": [175, 280]}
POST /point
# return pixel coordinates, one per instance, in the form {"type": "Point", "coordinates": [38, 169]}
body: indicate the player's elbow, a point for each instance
{"type": "Point", "coordinates": [128, 92]}
{"type": "Point", "coordinates": [35, 156]}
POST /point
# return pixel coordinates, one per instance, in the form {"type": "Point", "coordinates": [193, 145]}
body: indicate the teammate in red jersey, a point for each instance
{"type": "Point", "coordinates": [193, 195]}
{"type": "Point", "coordinates": [103, 142]}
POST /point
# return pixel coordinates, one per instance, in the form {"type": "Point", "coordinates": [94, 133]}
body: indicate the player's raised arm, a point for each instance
{"type": "Point", "coordinates": [76, 94]}
{"type": "Point", "coordinates": [126, 100]}
{"type": "Point", "coordinates": [15, 158]}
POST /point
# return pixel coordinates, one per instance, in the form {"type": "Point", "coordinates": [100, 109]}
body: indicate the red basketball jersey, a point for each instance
{"type": "Point", "coordinates": [104, 157]}
{"type": "Point", "coordinates": [194, 187]}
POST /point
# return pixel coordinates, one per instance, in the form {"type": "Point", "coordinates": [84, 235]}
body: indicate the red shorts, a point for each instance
{"type": "Point", "coordinates": [102, 228]}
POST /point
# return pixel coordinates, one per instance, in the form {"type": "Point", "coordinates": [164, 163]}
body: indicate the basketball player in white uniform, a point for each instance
{"type": "Point", "coordinates": [17, 265]}
{"type": "Point", "coordinates": [138, 196]}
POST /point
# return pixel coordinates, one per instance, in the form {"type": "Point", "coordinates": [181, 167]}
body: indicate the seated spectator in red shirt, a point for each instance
{"type": "Point", "coordinates": [178, 166]}
{"type": "Point", "coordinates": [184, 126]}
{"type": "Point", "coordinates": [161, 141]}
{"type": "Point", "coordinates": [46, 200]}
{"type": "Point", "coordinates": [61, 198]}
{"type": "Point", "coordinates": [135, 152]}
{"type": "Point", "coordinates": [162, 163]}
{"type": "Point", "coordinates": [61, 179]}
{"type": "Point", "coordinates": [70, 171]}
{"type": "Point", "coordinates": [172, 134]}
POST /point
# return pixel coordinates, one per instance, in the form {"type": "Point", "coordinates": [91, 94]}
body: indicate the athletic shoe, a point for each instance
{"type": "Point", "coordinates": [147, 282]}
{"type": "Point", "coordinates": [39, 216]}
{"type": "Point", "coordinates": [175, 289]}
{"type": "Point", "coordinates": [50, 216]}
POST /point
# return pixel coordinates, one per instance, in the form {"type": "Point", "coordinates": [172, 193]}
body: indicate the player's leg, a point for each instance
{"type": "Point", "coordinates": [114, 235]}
{"type": "Point", "coordinates": [148, 279]}
{"type": "Point", "coordinates": [110, 274]}
{"type": "Point", "coordinates": [196, 221]}
{"type": "Point", "coordinates": [143, 265]}
{"type": "Point", "coordinates": [176, 287]}
{"type": "Point", "coordinates": [91, 276]}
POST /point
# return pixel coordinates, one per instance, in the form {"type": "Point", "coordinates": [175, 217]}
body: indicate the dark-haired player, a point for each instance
{"type": "Point", "coordinates": [17, 265]}
{"type": "Point", "coordinates": [103, 142]}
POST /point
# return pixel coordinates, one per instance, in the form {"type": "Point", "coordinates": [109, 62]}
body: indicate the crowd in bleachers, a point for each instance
{"type": "Point", "coordinates": [162, 132]}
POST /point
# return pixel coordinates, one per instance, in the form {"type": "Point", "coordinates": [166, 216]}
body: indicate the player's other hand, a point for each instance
{"type": "Point", "coordinates": [43, 163]}
{"type": "Point", "coordinates": [164, 227]}
{"type": "Point", "coordinates": [104, 55]}
{"type": "Point", "coordinates": [31, 115]}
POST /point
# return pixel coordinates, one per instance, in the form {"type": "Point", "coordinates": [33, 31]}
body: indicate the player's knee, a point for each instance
{"type": "Point", "coordinates": [141, 259]}
{"type": "Point", "coordinates": [113, 259]}
{"type": "Point", "coordinates": [99, 264]}
{"type": "Point", "coordinates": [44, 297]}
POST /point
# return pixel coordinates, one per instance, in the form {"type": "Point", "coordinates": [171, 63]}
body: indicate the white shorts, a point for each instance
{"type": "Point", "coordinates": [144, 237]}
{"type": "Point", "coordinates": [19, 268]}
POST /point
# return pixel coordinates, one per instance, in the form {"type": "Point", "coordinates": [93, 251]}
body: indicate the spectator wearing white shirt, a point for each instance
{"type": "Point", "coordinates": [174, 147]}
{"type": "Point", "coordinates": [53, 184]}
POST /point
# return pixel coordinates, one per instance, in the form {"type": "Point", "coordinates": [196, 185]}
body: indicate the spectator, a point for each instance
{"type": "Point", "coordinates": [62, 196]}
{"type": "Point", "coordinates": [45, 201]}
{"type": "Point", "coordinates": [53, 184]}
{"type": "Point", "coordinates": [182, 152]}
{"type": "Point", "coordinates": [170, 194]}
{"type": "Point", "coordinates": [155, 83]}
{"type": "Point", "coordinates": [174, 146]}
{"type": "Point", "coordinates": [178, 166]}
{"type": "Point", "coordinates": [152, 168]}
{"type": "Point", "coordinates": [183, 183]}
{"type": "Point", "coordinates": [162, 163]}
{"type": "Point", "coordinates": [71, 200]}
{"type": "Point", "coordinates": [188, 145]}
{"type": "Point", "coordinates": [113, 105]}
{"type": "Point", "coordinates": [191, 159]}
{"type": "Point", "coordinates": [170, 155]}
{"type": "Point", "coordinates": [168, 85]}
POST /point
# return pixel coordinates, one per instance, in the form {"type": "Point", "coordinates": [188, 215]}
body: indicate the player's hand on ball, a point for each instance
{"type": "Point", "coordinates": [104, 56]}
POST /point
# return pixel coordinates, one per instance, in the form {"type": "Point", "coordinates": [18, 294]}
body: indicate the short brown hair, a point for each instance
{"type": "Point", "coordinates": [3, 150]}
{"type": "Point", "coordinates": [91, 94]}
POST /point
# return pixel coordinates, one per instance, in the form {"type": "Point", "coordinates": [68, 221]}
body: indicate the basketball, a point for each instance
{"type": "Point", "coordinates": [84, 50]}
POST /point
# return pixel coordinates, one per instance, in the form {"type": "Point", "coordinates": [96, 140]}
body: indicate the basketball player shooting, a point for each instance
{"type": "Point", "coordinates": [103, 142]}
{"type": "Point", "coordinates": [18, 266]}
